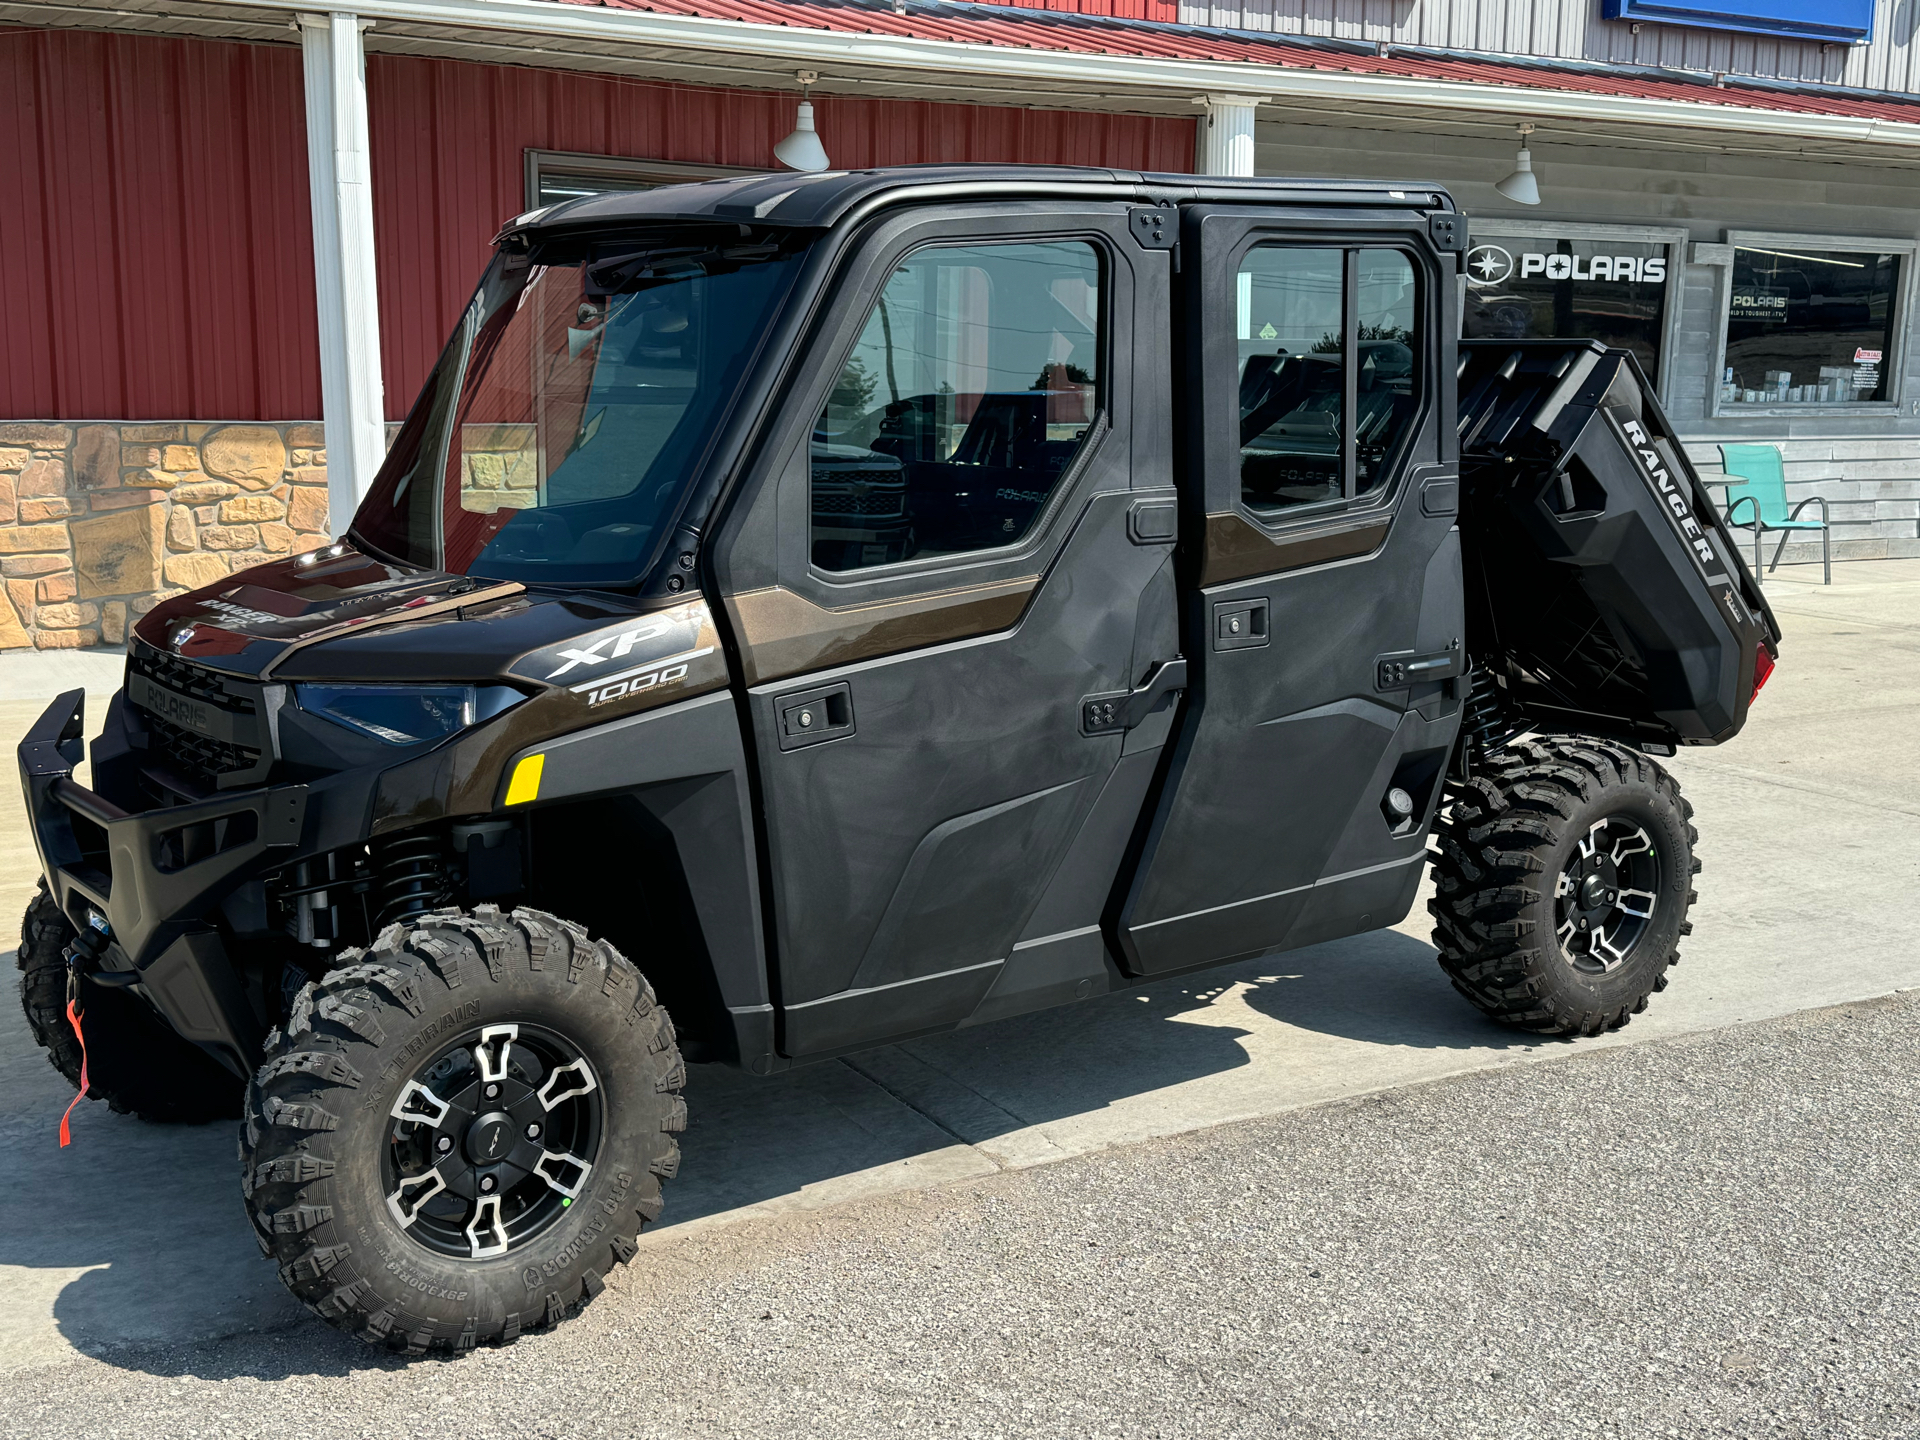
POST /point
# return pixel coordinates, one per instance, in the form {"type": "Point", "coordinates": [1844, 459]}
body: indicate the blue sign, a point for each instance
{"type": "Point", "coordinates": [1842, 20]}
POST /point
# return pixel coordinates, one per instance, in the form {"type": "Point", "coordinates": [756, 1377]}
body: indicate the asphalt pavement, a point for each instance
{"type": "Point", "coordinates": [1708, 1236]}
{"type": "Point", "coordinates": [1143, 1283]}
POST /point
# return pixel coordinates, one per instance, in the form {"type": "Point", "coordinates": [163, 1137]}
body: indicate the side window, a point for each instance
{"type": "Point", "coordinates": [1288, 316]}
{"type": "Point", "coordinates": [1328, 351]}
{"type": "Point", "coordinates": [975, 381]}
{"type": "Point", "coordinates": [1387, 350]}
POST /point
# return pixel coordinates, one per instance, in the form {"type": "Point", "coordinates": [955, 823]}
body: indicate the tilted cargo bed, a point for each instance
{"type": "Point", "coordinates": [1605, 596]}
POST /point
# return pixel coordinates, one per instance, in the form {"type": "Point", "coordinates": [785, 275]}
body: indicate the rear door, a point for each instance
{"type": "Point", "coordinates": [1321, 597]}
{"type": "Point", "coordinates": [942, 584]}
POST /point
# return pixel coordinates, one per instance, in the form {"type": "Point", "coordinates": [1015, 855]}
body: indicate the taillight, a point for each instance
{"type": "Point", "coordinates": [1763, 668]}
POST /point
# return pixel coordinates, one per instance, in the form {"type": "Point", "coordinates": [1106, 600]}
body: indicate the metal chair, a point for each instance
{"type": "Point", "coordinates": [1755, 480]}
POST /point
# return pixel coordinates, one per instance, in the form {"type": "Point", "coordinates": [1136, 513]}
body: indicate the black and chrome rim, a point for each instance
{"type": "Point", "coordinates": [1604, 900]}
{"type": "Point", "coordinates": [492, 1141]}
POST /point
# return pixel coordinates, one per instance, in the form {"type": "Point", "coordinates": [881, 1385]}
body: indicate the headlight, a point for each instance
{"type": "Point", "coordinates": [406, 714]}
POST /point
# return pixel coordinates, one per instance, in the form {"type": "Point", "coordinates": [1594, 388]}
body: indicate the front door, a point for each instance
{"type": "Point", "coordinates": [942, 586]}
{"type": "Point", "coordinates": [1321, 599]}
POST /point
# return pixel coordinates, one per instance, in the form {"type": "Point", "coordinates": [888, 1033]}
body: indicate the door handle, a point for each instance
{"type": "Point", "coordinates": [809, 717]}
{"type": "Point", "coordinates": [1114, 711]}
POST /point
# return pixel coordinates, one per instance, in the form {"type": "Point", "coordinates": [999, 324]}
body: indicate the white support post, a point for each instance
{"type": "Point", "coordinates": [1226, 141]}
{"type": "Point", "coordinates": [351, 394]}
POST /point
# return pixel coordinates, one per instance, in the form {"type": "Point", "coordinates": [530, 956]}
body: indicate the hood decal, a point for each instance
{"type": "Point", "coordinates": [638, 662]}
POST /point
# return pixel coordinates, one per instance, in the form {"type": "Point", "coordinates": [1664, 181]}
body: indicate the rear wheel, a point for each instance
{"type": "Point", "coordinates": [1562, 882]}
{"type": "Point", "coordinates": [135, 1061]}
{"type": "Point", "coordinates": [461, 1130]}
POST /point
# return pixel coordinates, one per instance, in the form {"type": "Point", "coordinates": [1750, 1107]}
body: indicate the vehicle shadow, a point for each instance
{"type": "Point", "coordinates": [752, 1142]}
{"type": "Point", "coordinates": [132, 1246]}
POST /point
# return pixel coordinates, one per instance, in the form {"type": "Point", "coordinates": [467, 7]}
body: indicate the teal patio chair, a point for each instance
{"type": "Point", "coordinates": [1756, 482]}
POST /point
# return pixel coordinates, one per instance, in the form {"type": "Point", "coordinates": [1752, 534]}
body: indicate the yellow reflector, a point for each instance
{"type": "Point", "coordinates": [525, 786]}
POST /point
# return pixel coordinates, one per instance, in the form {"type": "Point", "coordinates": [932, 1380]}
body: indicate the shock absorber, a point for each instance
{"type": "Point", "coordinates": [1485, 722]}
{"type": "Point", "coordinates": [410, 876]}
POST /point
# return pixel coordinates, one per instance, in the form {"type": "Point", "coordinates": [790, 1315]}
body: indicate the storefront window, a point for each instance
{"type": "Point", "coordinates": [1613, 291]}
{"type": "Point", "coordinates": [553, 175]}
{"type": "Point", "coordinates": [1809, 327]}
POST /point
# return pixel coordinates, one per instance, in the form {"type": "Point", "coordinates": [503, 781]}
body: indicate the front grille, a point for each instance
{"type": "Point", "coordinates": [885, 504]}
{"type": "Point", "coordinates": [198, 757]}
{"type": "Point", "coordinates": [189, 679]}
{"type": "Point", "coordinates": [235, 754]}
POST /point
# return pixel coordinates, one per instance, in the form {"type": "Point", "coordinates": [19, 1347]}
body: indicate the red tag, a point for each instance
{"type": "Point", "coordinates": [73, 1019]}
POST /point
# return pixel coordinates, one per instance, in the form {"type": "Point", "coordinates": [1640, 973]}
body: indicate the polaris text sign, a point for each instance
{"type": "Point", "coordinates": [1496, 265]}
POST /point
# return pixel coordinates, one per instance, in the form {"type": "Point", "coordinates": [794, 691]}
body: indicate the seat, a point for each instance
{"type": "Point", "coordinates": [1756, 482]}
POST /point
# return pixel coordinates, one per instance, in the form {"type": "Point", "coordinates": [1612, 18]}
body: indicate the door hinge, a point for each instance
{"type": "Point", "coordinates": [1123, 710]}
{"type": "Point", "coordinates": [1448, 231]}
{"type": "Point", "coordinates": [1155, 227]}
{"type": "Point", "coordinates": [1406, 668]}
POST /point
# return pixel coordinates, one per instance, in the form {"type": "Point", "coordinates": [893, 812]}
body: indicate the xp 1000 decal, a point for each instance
{"type": "Point", "coordinates": [642, 661]}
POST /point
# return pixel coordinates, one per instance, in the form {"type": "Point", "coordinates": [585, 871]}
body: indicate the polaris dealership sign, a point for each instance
{"type": "Point", "coordinates": [1494, 265]}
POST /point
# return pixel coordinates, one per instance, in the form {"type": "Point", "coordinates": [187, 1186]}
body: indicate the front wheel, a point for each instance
{"type": "Point", "coordinates": [462, 1129]}
{"type": "Point", "coordinates": [1562, 883]}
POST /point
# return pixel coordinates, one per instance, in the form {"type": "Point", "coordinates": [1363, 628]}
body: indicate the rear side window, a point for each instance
{"type": "Point", "coordinates": [975, 382]}
{"type": "Point", "coordinates": [1329, 350]}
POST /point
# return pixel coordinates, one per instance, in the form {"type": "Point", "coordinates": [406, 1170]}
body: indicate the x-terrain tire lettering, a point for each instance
{"type": "Point", "coordinates": [1562, 883]}
{"type": "Point", "coordinates": [461, 1130]}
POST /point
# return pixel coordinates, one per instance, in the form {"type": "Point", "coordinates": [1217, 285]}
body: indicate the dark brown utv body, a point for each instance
{"type": "Point", "coordinates": [828, 790]}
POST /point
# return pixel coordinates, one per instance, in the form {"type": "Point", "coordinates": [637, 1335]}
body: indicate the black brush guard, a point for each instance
{"type": "Point", "coordinates": [149, 874]}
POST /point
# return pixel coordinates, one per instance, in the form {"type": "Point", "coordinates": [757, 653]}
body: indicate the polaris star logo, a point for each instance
{"type": "Point", "coordinates": [1489, 265]}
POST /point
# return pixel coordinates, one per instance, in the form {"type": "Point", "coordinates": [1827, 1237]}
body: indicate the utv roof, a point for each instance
{"type": "Point", "coordinates": [827, 197]}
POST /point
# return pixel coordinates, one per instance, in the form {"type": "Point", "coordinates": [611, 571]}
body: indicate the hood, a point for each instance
{"type": "Point", "coordinates": [339, 615]}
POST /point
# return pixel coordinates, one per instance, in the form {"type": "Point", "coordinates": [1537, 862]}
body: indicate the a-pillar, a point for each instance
{"type": "Point", "coordinates": [1226, 140]}
{"type": "Point", "coordinates": [351, 394]}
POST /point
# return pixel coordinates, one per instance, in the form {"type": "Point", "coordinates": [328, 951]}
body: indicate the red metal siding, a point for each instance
{"type": "Point", "coordinates": [156, 257]}
{"type": "Point", "coordinates": [156, 251]}
{"type": "Point", "coordinates": [1168, 11]}
{"type": "Point", "coordinates": [448, 140]}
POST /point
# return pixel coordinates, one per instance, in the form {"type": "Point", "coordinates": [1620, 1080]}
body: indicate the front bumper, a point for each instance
{"type": "Point", "coordinates": [156, 876]}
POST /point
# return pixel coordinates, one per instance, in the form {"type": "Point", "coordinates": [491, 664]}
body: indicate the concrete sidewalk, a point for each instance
{"type": "Point", "coordinates": [1808, 898]}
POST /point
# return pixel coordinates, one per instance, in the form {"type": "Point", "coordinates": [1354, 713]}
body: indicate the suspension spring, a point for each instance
{"type": "Point", "coordinates": [1485, 720]}
{"type": "Point", "coordinates": [410, 876]}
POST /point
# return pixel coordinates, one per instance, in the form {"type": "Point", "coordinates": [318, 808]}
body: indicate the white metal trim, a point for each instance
{"type": "Point", "coordinates": [823, 49]}
{"type": "Point", "coordinates": [340, 188]}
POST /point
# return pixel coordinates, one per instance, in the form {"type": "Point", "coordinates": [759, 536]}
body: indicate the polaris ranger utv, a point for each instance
{"type": "Point", "coordinates": [831, 609]}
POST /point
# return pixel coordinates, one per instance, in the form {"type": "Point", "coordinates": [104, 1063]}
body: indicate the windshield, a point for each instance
{"type": "Point", "coordinates": [556, 437]}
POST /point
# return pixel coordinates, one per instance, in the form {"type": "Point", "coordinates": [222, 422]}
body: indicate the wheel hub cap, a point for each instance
{"type": "Point", "coordinates": [490, 1137]}
{"type": "Point", "coordinates": [1605, 898]}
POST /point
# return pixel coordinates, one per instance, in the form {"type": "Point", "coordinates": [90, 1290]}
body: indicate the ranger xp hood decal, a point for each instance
{"type": "Point", "coordinates": [677, 649]}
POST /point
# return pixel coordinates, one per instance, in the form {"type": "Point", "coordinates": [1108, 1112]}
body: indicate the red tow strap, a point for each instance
{"type": "Point", "coordinates": [73, 1019]}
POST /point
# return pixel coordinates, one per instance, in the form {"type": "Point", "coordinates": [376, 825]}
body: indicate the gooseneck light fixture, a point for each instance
{"type": "Point", "coordinates": [802, 150]}
{"type": "Point", "coordinates": [1519, 184]}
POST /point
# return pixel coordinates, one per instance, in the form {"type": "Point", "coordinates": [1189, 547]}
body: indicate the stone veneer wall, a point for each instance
{"type": "Point", "coordinates": [101, 522]}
